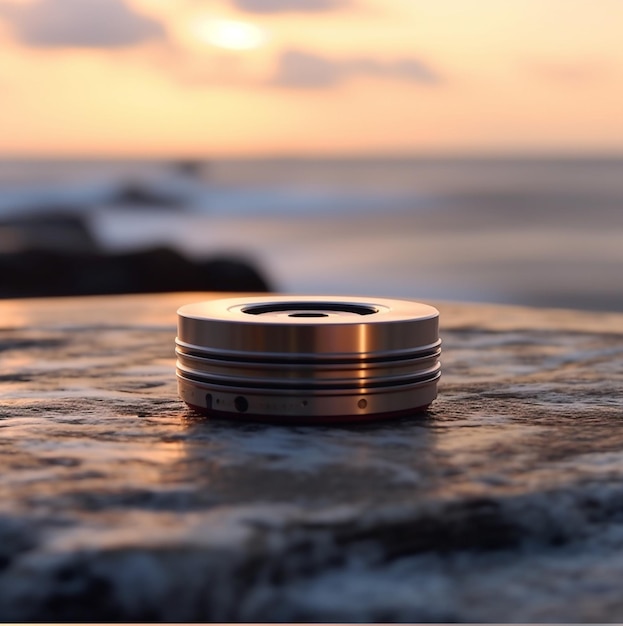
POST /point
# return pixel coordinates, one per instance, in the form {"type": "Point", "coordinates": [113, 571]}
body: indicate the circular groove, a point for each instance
{"type": "Point", "coordinates": [307, 309]}
{"type": "Point", "coordinates": [313, 383]}
{"type": "Point", "coordinates": [311, 358]}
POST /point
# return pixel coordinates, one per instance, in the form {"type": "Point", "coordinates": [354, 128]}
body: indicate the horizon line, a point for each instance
{"type": "Point", "coordinates": [327, 156]}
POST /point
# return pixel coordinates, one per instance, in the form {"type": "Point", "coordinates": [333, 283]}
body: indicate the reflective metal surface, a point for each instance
{"type": "Point", "coordinates": [308, 358]}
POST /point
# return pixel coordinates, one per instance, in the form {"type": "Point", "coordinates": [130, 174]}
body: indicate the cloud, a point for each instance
{"type": "Point", "coordinates": [297, 69]}
{"type": "Point", "coordinates": [79, 24]}
{"type": "Point", "coordinates": [300, 69]}
{"type": "Point", "coordinates": [287, 6]}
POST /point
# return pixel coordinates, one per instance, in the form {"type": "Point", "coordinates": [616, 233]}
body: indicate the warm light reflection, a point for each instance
{"type": "Point", "coordinates": [156, 310]}
{"type": "Point", "coordinates": [229, 34]}
{"type": "Point", "coordinates": [509, 76]}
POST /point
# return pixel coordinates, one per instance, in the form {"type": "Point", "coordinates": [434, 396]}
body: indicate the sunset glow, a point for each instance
{"type": "Point", "coordinates": [152, 77]}
{"type": "Point", "coordinates": [229, 34]}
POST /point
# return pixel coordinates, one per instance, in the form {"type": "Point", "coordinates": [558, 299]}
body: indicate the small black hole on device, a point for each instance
{"type": "Point", "coordinates": [241, 404]}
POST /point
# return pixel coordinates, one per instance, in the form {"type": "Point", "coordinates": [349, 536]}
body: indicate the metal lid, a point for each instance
{"type": "Point", "coordinates": [308, 328]}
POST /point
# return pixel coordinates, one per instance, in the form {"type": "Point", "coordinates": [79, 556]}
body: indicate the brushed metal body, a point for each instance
{"type": "Point", "coordinates": [303, 358]}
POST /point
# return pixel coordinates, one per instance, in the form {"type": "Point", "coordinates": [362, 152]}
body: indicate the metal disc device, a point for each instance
{"type": "Point", "coordinates": [305, 359]}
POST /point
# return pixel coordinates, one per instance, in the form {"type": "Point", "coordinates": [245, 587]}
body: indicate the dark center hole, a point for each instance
{"type": "Point", "coordinates": [310, 309]}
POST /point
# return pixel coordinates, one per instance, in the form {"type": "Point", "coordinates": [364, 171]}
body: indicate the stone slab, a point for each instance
{"type": "Point", "coordinates": [117, 503]}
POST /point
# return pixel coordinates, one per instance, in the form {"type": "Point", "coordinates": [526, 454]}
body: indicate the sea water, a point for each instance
{"type": "Point", "coordinates": [535, 231]}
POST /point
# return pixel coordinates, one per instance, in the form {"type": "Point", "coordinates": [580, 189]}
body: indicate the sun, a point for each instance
{"type": "Point", "coordinates": [229, 34]}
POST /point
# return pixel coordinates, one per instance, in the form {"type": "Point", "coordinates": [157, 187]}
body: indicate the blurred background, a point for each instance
{"type": "Point", "coordinates": [406, 148]}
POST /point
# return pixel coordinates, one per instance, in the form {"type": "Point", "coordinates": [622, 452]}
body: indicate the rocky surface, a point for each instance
{"type": "Point", "coordinates": [56, 254]}
{"type": "Point", "coordinates": [51, 273]}
{"type": "Point", "coordinates": [503, 503]}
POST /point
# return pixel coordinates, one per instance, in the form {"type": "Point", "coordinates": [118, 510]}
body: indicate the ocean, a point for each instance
{"type": "Point", "coordinates": [532, 231]}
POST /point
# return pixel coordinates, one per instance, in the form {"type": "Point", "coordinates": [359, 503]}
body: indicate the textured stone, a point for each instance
{"type": "Point", "coordinates": [503, 503]}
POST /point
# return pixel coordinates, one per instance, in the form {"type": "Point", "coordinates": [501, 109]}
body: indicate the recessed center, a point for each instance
{"type": "Point", "coordinates": [310, 309]}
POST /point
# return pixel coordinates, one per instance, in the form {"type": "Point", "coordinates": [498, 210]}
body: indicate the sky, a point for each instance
{"type": "Point", "coordinates": [219, 78]}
